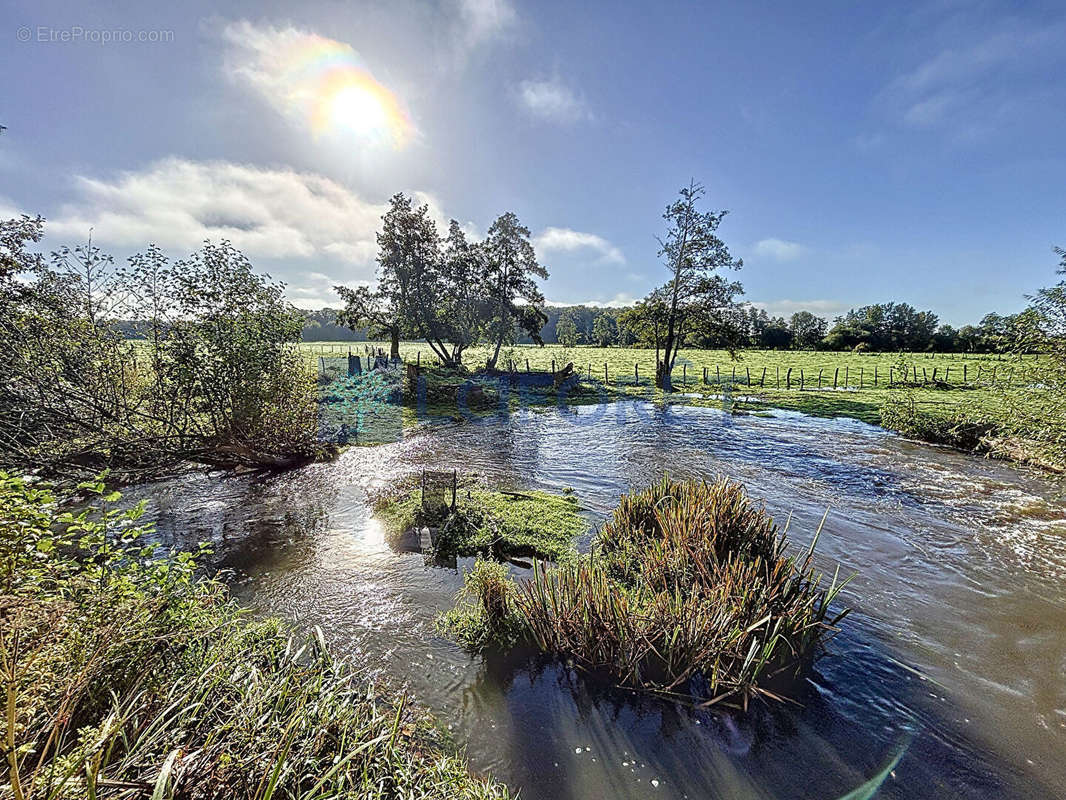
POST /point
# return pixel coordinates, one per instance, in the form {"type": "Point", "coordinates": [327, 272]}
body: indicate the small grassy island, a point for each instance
{"type": "Point", "coordinates": [689, 591]}
{"type": "Point", "coordinates": [485, 521]}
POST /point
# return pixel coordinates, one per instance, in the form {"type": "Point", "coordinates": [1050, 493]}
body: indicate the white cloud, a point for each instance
{"type": "Point", "coordinates": [483, 20]}
{"type": "Point", "coordinates": [565, 240]}
{"type": "Point", "coordinates": [985, 80]}
{"type": "Point", "coordinates": [620, 300]}
{"type": "Point", "coordinates": [786, 308]}
{"type": "Point", "coordinates": [779, 249]}
{"type": "Point", "coordinates": [267, 213]}
{"type": "Point", "coordinates": [552, 100]}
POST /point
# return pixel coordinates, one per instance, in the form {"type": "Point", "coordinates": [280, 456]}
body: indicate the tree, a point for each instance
{"type": "Point", "coordinates": [217, 380]}
{"type": "Point", "coordinates": [460, 307]}
{"type": "Point", "coordinates": [515, 300]}
{"type": "Point", "coordinates": [566, 330]}
{"type": "Point", "coordinates": [408, 254]}
{"type": "Point", "coordinates": [605, 329]}
{"type": "Point", "coordinates": [374, 309]}
{"type": "Point", "coordinates": [807, 329]}
{"type": "Point", "coordinates": [691, 252]}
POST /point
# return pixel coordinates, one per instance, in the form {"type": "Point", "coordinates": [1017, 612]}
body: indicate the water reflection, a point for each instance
{"type": "Point", "coordinates": [957, 637]}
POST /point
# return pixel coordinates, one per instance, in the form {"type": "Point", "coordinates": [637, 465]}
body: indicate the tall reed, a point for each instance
{"type": "Point", "coordinates": [690, 589]}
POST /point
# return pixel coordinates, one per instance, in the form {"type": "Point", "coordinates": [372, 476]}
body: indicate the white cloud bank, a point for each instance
{"type": "Point", "coordinates": [565, 240]}
{"type": "Point", "coordinates": [266, 213]}
{"type": "Point", "coordinates": [779, 249]}
{"type": "Point", "coordinates": [552, 101]}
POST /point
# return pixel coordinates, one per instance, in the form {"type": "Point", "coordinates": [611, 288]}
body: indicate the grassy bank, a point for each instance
{"type": "Point", "coordinates": [485, 521]}
{"type": "Point", "coordinates": [689, 591]}
{"type": "Point", "coordinates": [126, 676]}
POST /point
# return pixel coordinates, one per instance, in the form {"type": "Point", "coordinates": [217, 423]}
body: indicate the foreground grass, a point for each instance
{"type": "Point", "coordinates": [688, 591]}
{"type": "Point", "coordinates": [125, 676]}
{"type": "Point", "coordinates": [486, 521]}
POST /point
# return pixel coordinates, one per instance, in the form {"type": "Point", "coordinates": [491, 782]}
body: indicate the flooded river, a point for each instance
{"type": "Point", "coordinates": [956, 649]}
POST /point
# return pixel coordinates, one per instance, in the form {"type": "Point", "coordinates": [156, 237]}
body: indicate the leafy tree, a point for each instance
{"type": "Point", "coordinates": [566, 330]}
{"type": "Point", "coordinates": [408, 251]}
{"type": "Point", "coordinates": [218, 380]}
{"type": "Point", "coordinates": [605, 329]}
{"type": "Point", "coordinates": [459, 309]}
{"type": "Point", "coordinates": [515, 300]}
{"type": "Point", "coordinates": [807, 329]}
{"type": "Point", "coordinates": [693, 296]}
{"type": "Point", "coordinates": [373, 309]}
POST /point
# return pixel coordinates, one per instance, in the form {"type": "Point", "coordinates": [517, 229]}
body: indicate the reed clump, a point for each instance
{"type": "Point", "coordinates": [689, 590]}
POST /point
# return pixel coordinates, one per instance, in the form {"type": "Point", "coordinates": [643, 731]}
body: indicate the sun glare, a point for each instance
{"type": "Point", "coordinates": [327, 82]}
{"type": "Point", "coordinates": [359, 111]}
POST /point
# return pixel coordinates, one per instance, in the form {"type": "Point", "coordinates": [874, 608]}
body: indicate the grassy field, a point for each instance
{"type": "Point", "coordinates": [620, 362]}
{"type": "Point", "coordinates": [822, 383]}
{"type": "Point", "coordinates": [967, 401]}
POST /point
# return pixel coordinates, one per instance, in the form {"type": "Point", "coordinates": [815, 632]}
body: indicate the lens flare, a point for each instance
{"type": "Point", "coordinates": [338, 95]}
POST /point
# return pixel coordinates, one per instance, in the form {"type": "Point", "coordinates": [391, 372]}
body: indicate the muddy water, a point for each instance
{"type": "Point", "coordinates": [956, 649]}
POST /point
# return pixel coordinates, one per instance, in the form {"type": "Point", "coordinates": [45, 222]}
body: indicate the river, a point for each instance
{"type": "Point", "coordinates": [955, 650]}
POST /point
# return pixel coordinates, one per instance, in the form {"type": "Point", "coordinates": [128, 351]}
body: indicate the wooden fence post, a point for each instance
{"type": "Point", "coordinates": [717, 375]}
{"type": "Point", "coordinates": [836, 374]}
{"type": "Point", "coordinates": [788, 379]}
{"type": "Point", "coordinates": [605, 381]}
{"type": "Point", "coordinates": [875, 376]}
{"type": "Point", "coordinates": [636, 374]}
{"type": "Point", "coordinates": [734, 378]}
{"type": "Point", "coordinates": [762, 383]}
{"type": "Point", "coordinates": [779, 377]}
{"type": "Point", "coordinates": [964, 365]}
{"type": "Point", "coordinates": [527, 365]}
{"type": "Point", "coordinates": [845, 376]}
{"type": "Point", "coordinates": [684, 375]}
{"type": "Point", "coordinates": [801, 379]}
{"type": "Point", "coordinates": [819, 379]}
{"type": "Point", "coordinates": [705, 376]}
{"type": "Point", "coordinates": [747, 372]}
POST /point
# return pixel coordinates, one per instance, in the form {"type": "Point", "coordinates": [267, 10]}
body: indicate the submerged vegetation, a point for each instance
{"type": "Point", "coordinates": [484, 521]}
{"type": "Point", "coordinates": [689, 590]}
{"type": "Point", "coordinates": [126, 676]}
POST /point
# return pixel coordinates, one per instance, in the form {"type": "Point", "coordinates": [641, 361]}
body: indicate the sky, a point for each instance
{"type": "Point", "coordinates": [866, 152]}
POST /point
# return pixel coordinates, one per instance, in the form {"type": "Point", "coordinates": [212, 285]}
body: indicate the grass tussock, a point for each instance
{"type": "Point", "coordinates": [487, 522]}
{"type": "Point", "coordinates": [689, 590]}
{"type": "Point", "coordinates": [126, 677]}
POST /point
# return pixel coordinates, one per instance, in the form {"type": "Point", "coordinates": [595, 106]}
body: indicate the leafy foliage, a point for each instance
{"type": "Point", "coordinates": [217, 376]}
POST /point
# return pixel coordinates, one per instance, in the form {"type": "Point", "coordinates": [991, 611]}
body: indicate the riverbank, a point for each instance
{"type": "Point", "coordinates": [126, 674]}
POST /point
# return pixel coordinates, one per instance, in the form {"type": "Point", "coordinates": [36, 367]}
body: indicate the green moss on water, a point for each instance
{"type": "Point", "coordinates": [488, 521]}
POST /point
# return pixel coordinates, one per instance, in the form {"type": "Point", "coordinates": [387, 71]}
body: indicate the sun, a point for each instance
{"type": "Point", "coordinates": [358, 109]}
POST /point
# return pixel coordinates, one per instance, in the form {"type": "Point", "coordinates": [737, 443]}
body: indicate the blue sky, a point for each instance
{"type": "Point", "coordinates": [866, 152]}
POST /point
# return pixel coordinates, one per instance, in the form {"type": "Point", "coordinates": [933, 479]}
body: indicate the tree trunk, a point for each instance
{"type": "Point", "coordinates": [394, 344]}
